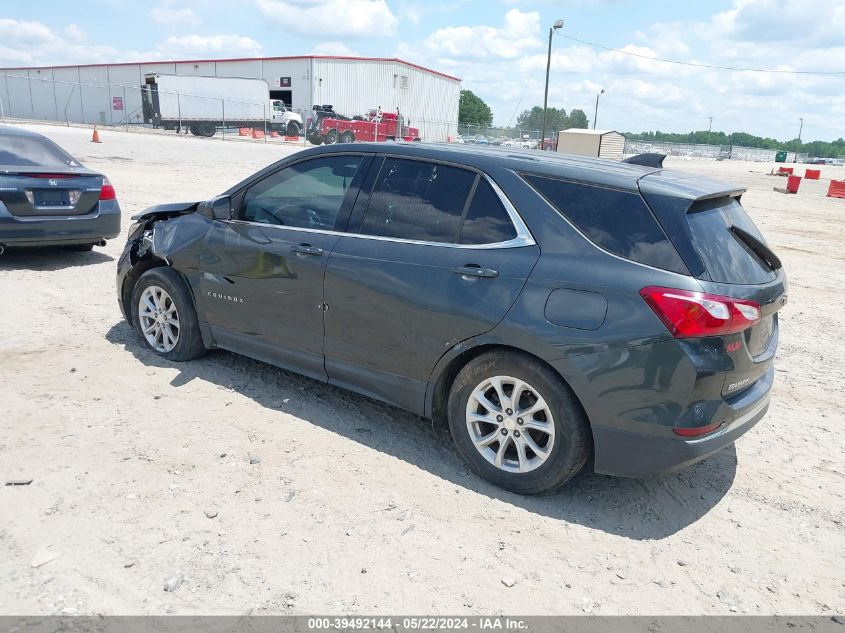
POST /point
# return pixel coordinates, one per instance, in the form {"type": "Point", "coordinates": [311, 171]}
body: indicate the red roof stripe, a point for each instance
{"type": "Point", "coordinates": [247, 59]}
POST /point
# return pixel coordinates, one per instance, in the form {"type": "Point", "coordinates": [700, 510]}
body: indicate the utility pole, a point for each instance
{"type": "Point", "coordinates": [800, 129]}
{"type": "Point", "coordinates": [557, 25]}
{"type": "Point", "coordinates": [596, 113]}
{"type": "Point", "coordinates": [710, 126]}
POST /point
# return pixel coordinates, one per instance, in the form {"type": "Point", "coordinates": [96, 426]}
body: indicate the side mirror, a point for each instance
{"type": "Point", "coordinates": [219, 208]}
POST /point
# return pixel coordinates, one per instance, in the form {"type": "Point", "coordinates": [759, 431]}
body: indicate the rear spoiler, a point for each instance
{"type": "Point", "coordinates": [647, 160]}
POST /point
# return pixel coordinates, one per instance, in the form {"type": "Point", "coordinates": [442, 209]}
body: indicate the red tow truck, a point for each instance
{"type": "Point", "coordinates": [327, 126]}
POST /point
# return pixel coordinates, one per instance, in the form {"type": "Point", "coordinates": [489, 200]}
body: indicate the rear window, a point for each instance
{"type": "Point", "coordinates": [726, 257]}
{"type": "Point", "coordinates": [486, 221]}
{"type": "Point", "coordinates": [618, 221]}
{"type": "Point", "coordinates": [28, 151]}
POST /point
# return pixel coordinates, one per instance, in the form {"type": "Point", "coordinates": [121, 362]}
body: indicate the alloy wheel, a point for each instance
{"type": "Point", "coordinates": [510, 424]}
{"type": "Point", "coordinates": [159, 319]}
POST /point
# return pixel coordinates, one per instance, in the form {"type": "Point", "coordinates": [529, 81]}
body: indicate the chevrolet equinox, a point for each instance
{"type": "Point", "coordinates": [550, 308]}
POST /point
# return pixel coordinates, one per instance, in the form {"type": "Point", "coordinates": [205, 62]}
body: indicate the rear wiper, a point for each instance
{"type": "Point", "coordinates": [757, 247]}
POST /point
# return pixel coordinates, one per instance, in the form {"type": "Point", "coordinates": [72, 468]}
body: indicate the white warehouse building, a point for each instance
{"type": "Point", "coordinates": [110, 94]}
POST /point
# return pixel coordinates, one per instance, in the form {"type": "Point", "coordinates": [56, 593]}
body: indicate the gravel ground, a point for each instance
{"type": "Point", "coordinates": [247, 489]}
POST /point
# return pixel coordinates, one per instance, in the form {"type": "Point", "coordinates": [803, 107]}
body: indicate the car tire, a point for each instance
{"type": "Point", "coordinates": [559, 429]}
{"type": "Point", "coordinates": [330, 138]}
{"type": "Point", "coordinates": [293, 128]}
{"type": "Point", "coordinates": [166, 290]}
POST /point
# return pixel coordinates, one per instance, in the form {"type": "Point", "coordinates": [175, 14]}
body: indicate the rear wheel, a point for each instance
{"type": "Point", "coordinates": [517, 423]}
{"type": "Point", "coordinates": [207, 129]}
{"type": "Point", "coordinates": [164, 315]}
{"type": "Point", "coordinates": [331, 137]}
{"type": "Point", "coordinates": [347, 137]}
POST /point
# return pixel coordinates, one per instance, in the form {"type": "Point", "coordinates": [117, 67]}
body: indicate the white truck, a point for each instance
{"type": "Point", "coordinates": [203, 104]}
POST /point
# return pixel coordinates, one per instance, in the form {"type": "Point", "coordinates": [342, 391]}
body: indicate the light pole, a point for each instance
{"type": "Point", "coordinates": [596, 113]}
{"type": "Point", "coordinates": [800, 129]}
{"type": "Point", "coordinates": [710, 125]}
{"type": "Point", "coordinates": [557, 25]}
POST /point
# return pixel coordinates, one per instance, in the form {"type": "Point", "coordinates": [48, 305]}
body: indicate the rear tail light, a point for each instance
{"type": "Point", "coordinates": [695, 314]}
{"type": "Point", "coordinates": [107, 191]}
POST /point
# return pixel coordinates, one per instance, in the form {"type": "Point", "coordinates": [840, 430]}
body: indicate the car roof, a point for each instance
{"type": "Point", "coordinates": [594, 171]}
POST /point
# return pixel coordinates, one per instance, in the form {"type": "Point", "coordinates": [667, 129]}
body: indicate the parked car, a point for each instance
{"type": "Point", "coordinates": [48, 198]}
{"type": "Point", "coordinates": [550, 308]}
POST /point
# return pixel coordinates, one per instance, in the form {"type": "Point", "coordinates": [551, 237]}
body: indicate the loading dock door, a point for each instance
{"type": "Point", "coordinates": [282, 95]}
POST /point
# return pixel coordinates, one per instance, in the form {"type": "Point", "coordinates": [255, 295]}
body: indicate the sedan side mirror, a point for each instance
{"type": "Point", "coordinates": [219, 208]}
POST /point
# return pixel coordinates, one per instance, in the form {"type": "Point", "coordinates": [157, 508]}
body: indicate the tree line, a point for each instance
{"type": "Point", "coordinates": [472, 110]}
{"type": "Point", "coordinates": [822, 149]}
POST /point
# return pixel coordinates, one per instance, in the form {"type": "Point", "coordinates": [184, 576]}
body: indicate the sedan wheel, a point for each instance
{"type": "Point", "coordinates": [510, 424]}
{"type": "Point", "coordinates": [159, 319]}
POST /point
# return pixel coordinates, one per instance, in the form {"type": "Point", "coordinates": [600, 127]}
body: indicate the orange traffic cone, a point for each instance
{"type": "Point", "coordinates": [95, 137]}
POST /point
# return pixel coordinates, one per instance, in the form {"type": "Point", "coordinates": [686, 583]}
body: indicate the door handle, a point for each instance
{"type": "Point", "coordinates": [306, 249]}
{"type": "Point", "coordinates": [472, 271]}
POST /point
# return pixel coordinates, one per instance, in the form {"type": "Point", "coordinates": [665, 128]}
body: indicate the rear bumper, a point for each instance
{"type": "Point", "coordinates": [629, 454]}
{"type": "Point", "coordinates": [104, 223]}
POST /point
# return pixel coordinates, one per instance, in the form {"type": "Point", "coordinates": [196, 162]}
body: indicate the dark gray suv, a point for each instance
{"type": "Point", "coordinates": [550, 308]}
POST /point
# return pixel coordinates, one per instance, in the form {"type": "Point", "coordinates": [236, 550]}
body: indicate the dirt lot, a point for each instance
{"type": "Point", "coordinates": [358, 507]}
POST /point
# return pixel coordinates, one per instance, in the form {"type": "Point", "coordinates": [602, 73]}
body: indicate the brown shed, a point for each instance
{"type": "Point", "coordinates": [595, 143]}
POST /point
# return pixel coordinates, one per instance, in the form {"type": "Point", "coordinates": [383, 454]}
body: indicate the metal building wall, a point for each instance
{"type": "Point", "coordinates": [94, 94]}
{"type": "Point", "coordinates": [299, 71]}
{"type": "Point", "coordinates": [354, 86]}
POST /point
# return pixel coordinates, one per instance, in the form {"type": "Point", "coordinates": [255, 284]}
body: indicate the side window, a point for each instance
{"type": "Point", "coordinates": [618, 221]}
{"type": "Point", "coordinates": [486, 222]}
{"type": "Point", "coordinates": [306, 195]}
{"type": "Point", "coordinates": [416, 200]}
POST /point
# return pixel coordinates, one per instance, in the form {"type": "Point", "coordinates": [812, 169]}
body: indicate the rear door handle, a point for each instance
{"type": "Point", "coordinates": [471, 272]}
{"type": "Point", "coordinates": [306, 249]}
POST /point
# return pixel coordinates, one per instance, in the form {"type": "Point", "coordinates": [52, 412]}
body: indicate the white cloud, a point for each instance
{"type": "Point", "coordinates": [505, 65]}
{"type": "Point", "coordinates": [518, 35]}
{"type": "Point", "coordinates": [335, 49]}
{"type": "Point", "coordinates": [171, 16]}
{"type": "Point", "coordinates": [34, 44]}
{"type": "Point", "coordinates": [348, 18]}
{"type": "Point", "coordinates": [199, 45]}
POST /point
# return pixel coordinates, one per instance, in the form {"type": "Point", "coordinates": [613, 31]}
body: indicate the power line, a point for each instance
{"type": "Point", "coordinates": [710, 66]}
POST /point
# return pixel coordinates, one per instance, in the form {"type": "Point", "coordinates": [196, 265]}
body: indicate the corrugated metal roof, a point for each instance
{"type": "Point", "coordinates": [247, 59]}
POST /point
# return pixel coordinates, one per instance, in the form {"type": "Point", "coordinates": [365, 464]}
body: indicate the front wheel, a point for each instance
{"type": "Point", "coordinates": [164, 315]}
{"type": "Point", "coordinates": [331, 137]}
{"type": "Point", "coordinates": [293, 128]}
{"type": "Point", "coordinates": [517, 423]}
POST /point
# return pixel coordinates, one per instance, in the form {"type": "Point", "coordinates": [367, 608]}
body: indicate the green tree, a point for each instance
{"type": "Point", "coordinates": [577, 119]}
{"type": "Point", "coordinates": [532, 119]}
{"type": "Point", "coordinates": [473, 110]}
{"type": "Point", "coordinates": [821, 149]}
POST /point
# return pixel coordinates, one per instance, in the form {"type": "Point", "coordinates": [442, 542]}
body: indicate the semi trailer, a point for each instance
{"type": "Point", "coordinates": [204, 104]}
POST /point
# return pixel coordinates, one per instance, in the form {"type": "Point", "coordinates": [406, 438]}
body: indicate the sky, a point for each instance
{"type": "Point", "coordinates": [498, 49]}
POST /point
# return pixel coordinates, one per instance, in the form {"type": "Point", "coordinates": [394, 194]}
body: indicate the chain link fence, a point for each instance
{"type": "Point", "coordinates": [692, 151]}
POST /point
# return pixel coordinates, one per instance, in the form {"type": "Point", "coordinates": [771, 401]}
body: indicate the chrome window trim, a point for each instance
{"type": "Point", "coordinates": [523, 234]}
